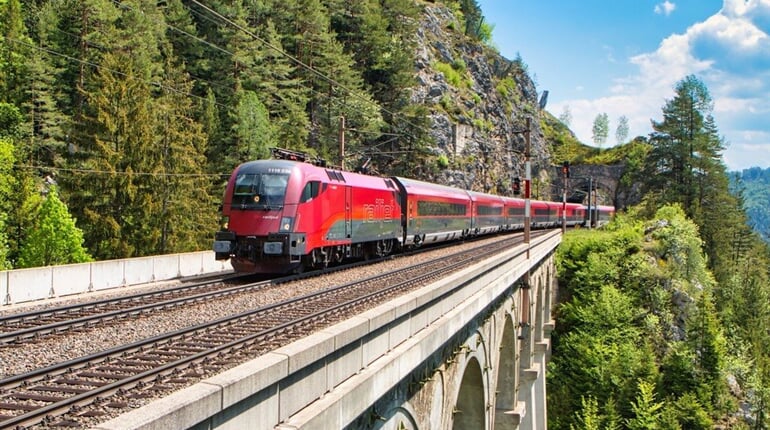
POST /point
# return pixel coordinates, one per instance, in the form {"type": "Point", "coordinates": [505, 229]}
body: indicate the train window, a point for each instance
{"type": "Point", "coordinates": [425, 208]}
{"type": "Point", "coordinates": [310, 191]}
{"type": "Point", "coordinates": [490, 210]}
{"type": "Point", "coordinates": [260, 190]}
{"type": "Point", "coordinates": [246, 185]}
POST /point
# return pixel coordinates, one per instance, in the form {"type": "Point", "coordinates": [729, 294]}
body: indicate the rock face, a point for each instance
{"type": "Point", "coordinates": [479, 103]}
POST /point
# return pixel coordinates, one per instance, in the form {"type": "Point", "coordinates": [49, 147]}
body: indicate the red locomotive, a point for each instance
{"type": "Point", "coordinates": [289, 214]}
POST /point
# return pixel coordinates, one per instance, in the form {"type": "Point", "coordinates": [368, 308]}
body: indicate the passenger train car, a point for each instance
{"type": "Point", "coordinates": [282, 216]}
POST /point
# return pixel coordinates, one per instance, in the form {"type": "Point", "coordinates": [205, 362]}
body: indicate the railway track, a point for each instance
{"type": "Point", "coordinates": [64, 394]}
{"type": "Point", "coordinates": [27, 326]}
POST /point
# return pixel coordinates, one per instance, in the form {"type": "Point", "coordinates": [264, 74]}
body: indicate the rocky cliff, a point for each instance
{"type": "Point", "coordinates": [479, 102]}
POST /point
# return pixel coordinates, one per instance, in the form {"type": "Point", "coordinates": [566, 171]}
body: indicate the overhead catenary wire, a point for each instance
{"type": "Point", "coordinates": [118, 173]}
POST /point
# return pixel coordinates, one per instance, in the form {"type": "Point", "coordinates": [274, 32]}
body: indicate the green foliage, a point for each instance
{"type": "Point", "coordinates": [588, 418]}
{"type": "Point", "coordinates": [475, 25]}
{"type": "Point", "coordinates": [442, 161]}
{"type": "Point", "coordinates": [686, 412]}
{"type": "Point", "coordinates": [686, 150]}
{"type": "Point", "coordinates": [616, 321]}
{"type": "Point", "coordinates": [5, 264]}
{"type": "Point", "coordinates": [754, 186]}
{"type": "Point", "coordinates": [453, 76]}
{"type": "Point", "coordinates": [14, 50]}
{"type": "Point", "coordinates": [678, 246]}
{"type": "Point", "coordinates": [646, 410]}
{"type": "Point", "coordinates": [11, 121]}
{"type": "Point", "coordinates": [633, 154]}
{"type": "Point", "coordinates": [563, 144]}
{"type": "Point", "coordinates": [252, 129]}
{"type": "Point", "coordinates": [459, 65]}
{"type": "Point", "coordinates": [54, 239]}
{"type": "Point", "coordinates": [7, 180]}
{"type": "Point", "coordinates": [7, 183]}
{"type": "Point", "coordinates": [685, 264]}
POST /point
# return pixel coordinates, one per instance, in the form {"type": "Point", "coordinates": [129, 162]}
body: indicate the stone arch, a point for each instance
{"type": "Point", "coordinates": [507, 374]}
{"type": "Point", "coordinates": [400, 418]}
{"type": "Point", "coordinates": [470, 410]}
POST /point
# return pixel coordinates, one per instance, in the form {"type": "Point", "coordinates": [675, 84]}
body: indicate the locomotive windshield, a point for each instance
{"type": "Point", "coordinates": [260, 190]}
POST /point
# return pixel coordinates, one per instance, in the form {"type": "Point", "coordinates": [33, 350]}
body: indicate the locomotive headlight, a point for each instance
{"type": "Point", "coordinates": [286, 223]}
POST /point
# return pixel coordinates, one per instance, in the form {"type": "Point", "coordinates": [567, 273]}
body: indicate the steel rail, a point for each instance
{"type": "Point", "coordinates": [69, 324]}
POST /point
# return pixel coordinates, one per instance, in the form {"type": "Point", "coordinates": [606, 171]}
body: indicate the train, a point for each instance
{"type": "Point", "coordinates": [291, 213]}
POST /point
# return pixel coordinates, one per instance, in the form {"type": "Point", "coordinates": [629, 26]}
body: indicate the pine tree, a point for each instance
{"type": "Point", "coordinates": [118, 200]}
{"type": "Point", "coordinates": [709, 347]}
{"type": "Point", "coordinates": [14, 49]}
{"type": "Point", "coordinates": [55, 238]}
{"type": "Point", "coordinates": [186, 212]}
{"type": "Point", "coordinates": [7, 186]}
{"type": "Point", "coordinates": [685, 146]}
{"type": "Point", "coordinates": [282, 92]}
{"type": "Point", "coordinates": [252, 129]}
{"type": "Point", "coordinates": [19, 198]}
{"type": "Point", "coordinates": [44, 100]}
{"type": "Point", "coordinates": [588, 418]}
{"type": "Point", "coordinates": [646, 409]}
{"type": "Point", "coordinates": [118, 155]}
{"type": "Point", "coordinates": [341, 96]}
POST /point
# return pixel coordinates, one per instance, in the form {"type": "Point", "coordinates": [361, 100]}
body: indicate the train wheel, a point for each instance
{"type": "Point", "coordinates": [381, 246]}
{"type": "Point", "coordinates": [318, 259]}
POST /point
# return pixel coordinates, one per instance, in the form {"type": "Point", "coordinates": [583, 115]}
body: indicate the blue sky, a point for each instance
{"type": "Point", "coordinates": [625, 57]}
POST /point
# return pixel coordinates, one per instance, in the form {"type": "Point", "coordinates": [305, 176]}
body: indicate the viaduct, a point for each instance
{"type": "Point", "coordinates": [468, 352]}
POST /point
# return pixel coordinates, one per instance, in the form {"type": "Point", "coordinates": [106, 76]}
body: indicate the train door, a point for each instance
{"type": "Point", "coordinates": [348, 211]}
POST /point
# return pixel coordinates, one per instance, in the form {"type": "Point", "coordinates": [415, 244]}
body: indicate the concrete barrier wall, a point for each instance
{"type": "Point", "coordinates": [26, 285]}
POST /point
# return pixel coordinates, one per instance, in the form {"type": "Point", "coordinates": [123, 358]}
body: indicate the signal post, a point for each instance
{"type": "Point", "coordinates": [527, 187]}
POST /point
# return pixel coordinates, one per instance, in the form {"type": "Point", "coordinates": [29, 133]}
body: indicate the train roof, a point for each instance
{"type": "Point", "coordinates": [313, 172]}
{"type": "Point", "coordinates": [415, 187]}
{"type": "Point", "coordinates": [484, 197]}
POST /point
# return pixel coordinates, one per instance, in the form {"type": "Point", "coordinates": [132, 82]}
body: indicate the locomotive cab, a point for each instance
{"type": "Point", "coordinates": [259, 215]}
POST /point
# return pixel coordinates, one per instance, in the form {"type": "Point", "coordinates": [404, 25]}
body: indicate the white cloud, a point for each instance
{"type": "Point", "coordinates": [665, 8]}
{"type": "Point", "coordinates": [739, 156]}
{"type": "Point", "coordinates": [729, 52]}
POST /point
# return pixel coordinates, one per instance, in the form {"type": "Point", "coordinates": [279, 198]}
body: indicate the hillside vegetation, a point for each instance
{"type": "Point", "coordinates": [754, 186]}
{"type": "Point", "coordinates": [664, 322]}
{"type": "Point", "coordinates": [137, 111]}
